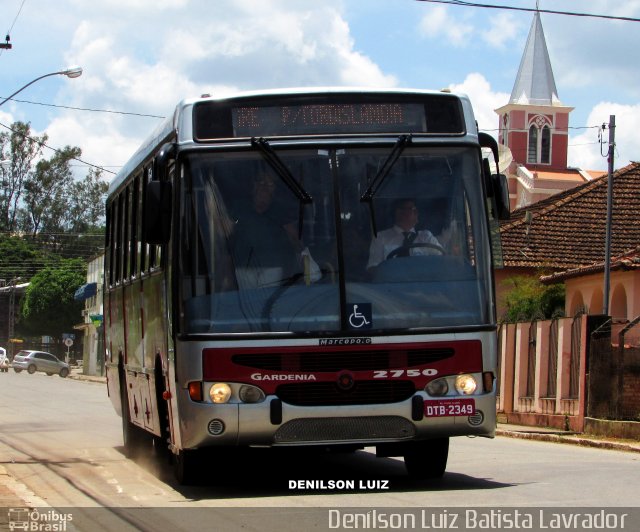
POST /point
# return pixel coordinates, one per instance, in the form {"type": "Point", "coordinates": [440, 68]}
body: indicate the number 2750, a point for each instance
{"type": "Point", "coordinates": [395, 373]}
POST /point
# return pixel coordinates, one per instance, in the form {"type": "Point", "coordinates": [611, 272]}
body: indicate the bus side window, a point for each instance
{"type": "Point", "coordinates": [133, 237]}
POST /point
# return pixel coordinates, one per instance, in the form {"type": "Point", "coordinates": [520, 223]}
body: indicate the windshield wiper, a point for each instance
{"type": "Point", "coordinates": [376, 182]}
{"type": "Point", "coordinates": [283, 172]}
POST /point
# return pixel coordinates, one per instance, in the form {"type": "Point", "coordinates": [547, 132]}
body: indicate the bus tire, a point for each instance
{"type": "Point", "coordinates": [427, 459]}
{"type": "Point", "coordinates": [187, 467]}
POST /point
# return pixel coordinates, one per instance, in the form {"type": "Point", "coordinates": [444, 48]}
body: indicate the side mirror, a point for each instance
{"type": "Point", "coordinates": [497, 185]}
{"type": "Point", "coordinates": [157, 202]}
{"type": "Point", "coordinates": [157, 212]}
{"type": "Point", "coordinates": [501, 196]}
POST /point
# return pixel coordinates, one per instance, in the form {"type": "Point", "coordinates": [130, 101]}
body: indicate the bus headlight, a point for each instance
{"type": "Point", "coordinates": [466, 384]}
{"type": "Point", "coordinates": [220, 392]}
{"type": "Point", "coordinates": [250, 394]}
{"type": "Point", "coordinates": [437, 387]}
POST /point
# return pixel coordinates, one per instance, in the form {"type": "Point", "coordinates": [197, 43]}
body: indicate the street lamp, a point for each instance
{"type": "Point", "coordinates": [73, 72]}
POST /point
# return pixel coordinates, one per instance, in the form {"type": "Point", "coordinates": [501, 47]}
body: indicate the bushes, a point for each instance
{"type": "Point", "coordinates": [528, 299]}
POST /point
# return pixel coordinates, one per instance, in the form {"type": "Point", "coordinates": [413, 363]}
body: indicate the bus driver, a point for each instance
{"type": "Point", "coordinates": [403, 237]}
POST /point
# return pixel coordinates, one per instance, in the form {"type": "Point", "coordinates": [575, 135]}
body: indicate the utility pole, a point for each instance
{"type": "Point", "coordinates": [607, 246]}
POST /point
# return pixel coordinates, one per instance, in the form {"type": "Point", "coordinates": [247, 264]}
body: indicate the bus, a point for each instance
{"type": "Point", "coordinates": [254, 296]}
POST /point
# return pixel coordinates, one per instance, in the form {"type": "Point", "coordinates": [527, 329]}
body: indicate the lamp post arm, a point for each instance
{"type": "Point", "coordinates": [70, 73]}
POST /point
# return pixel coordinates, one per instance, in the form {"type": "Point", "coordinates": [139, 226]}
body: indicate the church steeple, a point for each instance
{"type": "Point", "coordinates": [535, 84]}
{"type": "Point", "coordinates": [534, 125]}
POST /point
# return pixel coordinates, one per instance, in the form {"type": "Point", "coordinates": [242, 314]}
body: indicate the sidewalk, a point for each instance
{"type": "Point", "coordinates": [76, 373]}
{"type": "Point", "coordinates": [14, 494]}
{"type": "Point", "coordinates": [559, 436]}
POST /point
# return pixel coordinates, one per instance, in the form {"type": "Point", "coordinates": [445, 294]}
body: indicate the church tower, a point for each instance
{"type": "Point", "coordinates": [534, 124]}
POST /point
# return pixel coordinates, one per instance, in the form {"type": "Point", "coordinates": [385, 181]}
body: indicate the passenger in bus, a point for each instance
{"type": "Point", "coordinates": [403, 239]}
{"type": "Point", "coordinates": [266, 248]}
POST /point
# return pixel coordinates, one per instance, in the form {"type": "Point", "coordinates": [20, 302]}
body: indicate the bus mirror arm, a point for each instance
{"type": "Point", "coordinates": [496, 184]}
{"type": "Point", "coordinates": [161, 161]}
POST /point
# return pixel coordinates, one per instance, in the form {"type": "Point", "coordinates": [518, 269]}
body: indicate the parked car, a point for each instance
{"type": "Point", "coordinates": [4, 360]}
{"type": "Point", "coordinates": [34, 361]}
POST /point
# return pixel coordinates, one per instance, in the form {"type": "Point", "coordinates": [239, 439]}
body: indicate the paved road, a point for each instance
{"type": "Point", "coordinates": [61, 439]}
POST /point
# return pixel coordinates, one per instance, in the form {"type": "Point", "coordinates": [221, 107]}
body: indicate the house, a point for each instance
{"type": "Point", "coordinates": [91, 294]}
{"type": "Point", "coordinates": [566, 233]}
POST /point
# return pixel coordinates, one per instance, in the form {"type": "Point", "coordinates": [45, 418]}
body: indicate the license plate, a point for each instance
{"type": "Point", "coordinates": [450, 407]}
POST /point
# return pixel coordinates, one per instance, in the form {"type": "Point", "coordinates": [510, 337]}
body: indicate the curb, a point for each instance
{"type": "Point", "coordinates": [14, 493]}
{"type": "Point", "coordinates": [571, 439]}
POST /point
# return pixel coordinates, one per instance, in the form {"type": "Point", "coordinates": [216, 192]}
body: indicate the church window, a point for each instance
{"type": "Point", "coordinates": [545, 145]}
{"type": "Point", "coordinates": [533, 144]}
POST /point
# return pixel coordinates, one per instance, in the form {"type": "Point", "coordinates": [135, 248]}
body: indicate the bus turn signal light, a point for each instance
{"type": "Point", "coordinates": [195, 391]}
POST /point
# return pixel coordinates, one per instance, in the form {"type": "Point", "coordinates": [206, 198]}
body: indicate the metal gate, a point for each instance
{"type": "Point", "coordinates": [552, 373]}
{"type": "Point", "coordinates": [574, 363]}
{"type": "Point", "coordinates": [531, 360]}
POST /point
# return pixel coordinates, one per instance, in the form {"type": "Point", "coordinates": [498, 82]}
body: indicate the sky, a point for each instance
{"type": "Point", "coordinates": [141, 57]}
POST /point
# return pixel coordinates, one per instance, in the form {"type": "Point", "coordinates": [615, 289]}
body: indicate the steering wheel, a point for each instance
{"type": "Point", "coordinates": [400, 249]}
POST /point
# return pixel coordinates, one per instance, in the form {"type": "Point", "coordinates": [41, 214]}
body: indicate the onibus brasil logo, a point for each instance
{"type": "Point", "coordinates": [38, 520]}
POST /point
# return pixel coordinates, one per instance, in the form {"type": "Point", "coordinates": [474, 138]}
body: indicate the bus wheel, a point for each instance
{"type": "Point", "coordinates": [427, 459]}
{"type": "Point", "coordinates": [186, 466]}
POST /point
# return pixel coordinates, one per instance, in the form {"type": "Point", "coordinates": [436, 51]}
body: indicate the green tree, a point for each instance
{"type": "Point", "coordinates": [87, 201]}
{"type": "Point", "coordinates": [528, 299]}
{"type": "Point", "coordinates": [19, 149]}
{"type": "Point", "coordinates": [20, 257]}
{"type": "Point", "coordinates": [47, 193]}
{"type": "Point", "coordinates": [48, 307]}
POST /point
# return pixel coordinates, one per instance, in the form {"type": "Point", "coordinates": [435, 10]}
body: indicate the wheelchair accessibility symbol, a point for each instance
{"type": "Point", "coordinates": [360, 317]}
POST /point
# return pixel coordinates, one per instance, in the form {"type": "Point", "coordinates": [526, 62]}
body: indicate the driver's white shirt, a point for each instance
{"type": "Point", "coordinates": [392, 238]}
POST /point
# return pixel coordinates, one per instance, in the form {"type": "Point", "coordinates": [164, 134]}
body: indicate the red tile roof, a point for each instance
{"type": "Point", "coordinates": [627, 261]}
{"type": "Point", "coordinates": [567, 230]}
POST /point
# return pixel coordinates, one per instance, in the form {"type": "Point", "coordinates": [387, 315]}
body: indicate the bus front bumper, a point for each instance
{"type": "Point", "coordinates": [274, 423]}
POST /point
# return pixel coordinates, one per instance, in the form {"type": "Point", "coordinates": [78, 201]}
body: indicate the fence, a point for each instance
{"type": "Point", "coordinates": [542, 372]}
{"type": "Point", "coordinates": [614, 378]}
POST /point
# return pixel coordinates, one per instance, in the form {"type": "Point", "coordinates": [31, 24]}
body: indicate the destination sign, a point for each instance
{"type": "Point", "coordinates": [440, 114]}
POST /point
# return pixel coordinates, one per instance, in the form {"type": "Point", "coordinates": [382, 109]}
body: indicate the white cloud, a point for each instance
{"type": "Point", "coordinates": [503, 29]}
{"type": "Point", "coordinates": [460, 31]}
{"type": "Point", "coordinates": [584, 149]}
{"type": "Point", "coordinates": [483, 99]}
{"type": "Point", "coordinates": [439, 23]}
{"type": "Point", "coordinates": [178, 53]}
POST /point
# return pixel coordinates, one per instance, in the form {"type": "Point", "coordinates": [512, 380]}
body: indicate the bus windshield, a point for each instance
{"type": "Point", "coordinates": [408, 252]}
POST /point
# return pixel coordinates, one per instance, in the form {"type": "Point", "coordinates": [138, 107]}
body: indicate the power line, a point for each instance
{"type": "Point", "coordinates": [8, 45]}
{"type": "Point", "coordinates": [552, 128]}
{"type": "Point", "coordinates": [55, 149]}
{"type": "Point", "coordinates": [16, 17]}
{"type": "Point", "coordinates": [530, 10]}
{"type": "Point", "coordinates": [85, 108]}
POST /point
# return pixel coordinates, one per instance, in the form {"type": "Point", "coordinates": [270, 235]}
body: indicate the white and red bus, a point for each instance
{"type": "Point", "coordinates": [243, 302]}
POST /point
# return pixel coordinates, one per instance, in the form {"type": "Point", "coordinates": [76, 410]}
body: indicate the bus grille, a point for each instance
{"type": "Point", "coordinates": [343, 360]}
{"type": "Point", "coordinates": [328, 393]}
{"type": "Point", "coordinates": [345, 429]}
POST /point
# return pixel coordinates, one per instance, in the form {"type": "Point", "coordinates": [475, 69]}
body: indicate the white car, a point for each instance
{"type": "Point", "coordinates": [4, 360]}
{"type": "Point", "coordinates": [34, 361]}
